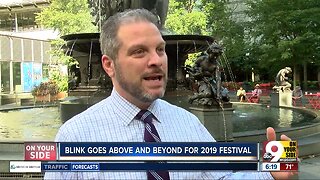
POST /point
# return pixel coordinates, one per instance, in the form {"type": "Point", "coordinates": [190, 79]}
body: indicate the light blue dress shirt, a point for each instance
{"type": "Point", "coordinates": [112, 120]}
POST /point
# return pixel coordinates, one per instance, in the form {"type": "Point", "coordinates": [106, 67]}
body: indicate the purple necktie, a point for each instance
{"type": "Point", "coordinates": [151, 135]}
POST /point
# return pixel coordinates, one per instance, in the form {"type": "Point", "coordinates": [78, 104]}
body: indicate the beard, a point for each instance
{"type": "Point", "coordinates": [135, 89]}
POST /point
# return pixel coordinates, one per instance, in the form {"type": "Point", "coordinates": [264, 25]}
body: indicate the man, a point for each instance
{"type": "Point", "coordinates": [297, 95]}
{"type": "Point", "coordinates": [135, 59]}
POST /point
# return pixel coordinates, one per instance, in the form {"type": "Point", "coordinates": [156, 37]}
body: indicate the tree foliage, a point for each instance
{"type": "Point", "coordinates": [272, 33]}
{"type": "Point", "coordinates": [217, 20]}
{"type": "Point", "coordinates": [285, 32]}
{"type": "Point", "coordinates": [230, 31]}
{"type": "Point", "coordinates": [67, 16]}
{"type": "Point", "coordinates": [185, 18]}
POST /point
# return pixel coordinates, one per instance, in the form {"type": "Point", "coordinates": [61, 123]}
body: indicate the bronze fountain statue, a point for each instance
{"type": "Point", "coordinates": [206, 74]}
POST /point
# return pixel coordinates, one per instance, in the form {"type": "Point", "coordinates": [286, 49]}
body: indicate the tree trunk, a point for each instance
{"type": "Point", "coordinates": [318, 77]}
{"type": "Point", "coordinates": [295, 75]}
{"type": "Point", "coordinates": [305, 77]}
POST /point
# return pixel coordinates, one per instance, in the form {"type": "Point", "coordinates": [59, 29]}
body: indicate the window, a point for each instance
{"type": "Point", "coordinates": [25, 20]}
{"type": "Point", "coordinates": [16, 74]}
{"type": "Point", "coordinates": [5, 76]}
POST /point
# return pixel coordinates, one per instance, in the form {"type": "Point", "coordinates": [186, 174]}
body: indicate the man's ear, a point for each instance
{"type": "Point", "coordinates": [108, 65]}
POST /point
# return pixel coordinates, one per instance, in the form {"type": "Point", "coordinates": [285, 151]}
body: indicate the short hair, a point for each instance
{"type": "Point", "coordinates": [109, 42]}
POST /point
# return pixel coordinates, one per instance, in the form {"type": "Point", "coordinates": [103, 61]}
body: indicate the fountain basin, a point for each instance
{"type": "Point", "coordinates": [45, 122]}
{"type": "Point", "coordinates": [249, 121]}
{"type": "Point", "coordinates": [250, 117]}
{"type": "Point", "coordinates": [29, 124]}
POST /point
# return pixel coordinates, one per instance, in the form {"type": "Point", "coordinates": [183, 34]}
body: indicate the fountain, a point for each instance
{"type": "Point", "coordinates": [30, 124]}
{"type": "Point", "coordinates": [92, 85]}
{"type": "Point", "coordinates": [249, 123]}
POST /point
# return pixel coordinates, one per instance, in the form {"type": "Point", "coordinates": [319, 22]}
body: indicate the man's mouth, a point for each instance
{"type": "Point", "coordinates": [153, 78]}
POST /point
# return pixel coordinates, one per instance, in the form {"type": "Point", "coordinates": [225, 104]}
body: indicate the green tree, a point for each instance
{"type": "Point", "coordinates": [285, 33]}
{"type": "Point", "coordinates": [229, 30]}
{"type": "Point", "coordinates": [67, 16]}
{"type": "Point", "coordinates": [214, 18]}
{"type": "Point", "coordinates": [185, 18]}
{"type": "Point", "coordinates": [60, 57]}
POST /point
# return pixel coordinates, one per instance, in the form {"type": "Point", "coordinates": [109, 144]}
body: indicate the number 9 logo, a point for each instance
{"type": "Point", "coordinates": [275, 148]}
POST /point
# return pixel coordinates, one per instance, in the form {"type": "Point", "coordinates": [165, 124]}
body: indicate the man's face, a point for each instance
{"type": "Point", "coordinates": [141, 66]}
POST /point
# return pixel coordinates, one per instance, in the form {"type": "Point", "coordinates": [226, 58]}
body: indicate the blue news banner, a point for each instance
{"type": "Point", "coordinates": [154, 156]}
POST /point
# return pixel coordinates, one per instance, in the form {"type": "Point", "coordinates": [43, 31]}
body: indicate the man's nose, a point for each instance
{"type": "Point", "coordinates": [156, 59]}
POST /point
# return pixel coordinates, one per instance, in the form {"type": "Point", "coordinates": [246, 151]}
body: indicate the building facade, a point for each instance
{"type": "Point", "coordinates": [24, 46]}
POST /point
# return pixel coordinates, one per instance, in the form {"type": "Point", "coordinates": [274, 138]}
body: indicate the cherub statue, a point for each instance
{"type": "Point", "coordinates": [206, 74]}
{"type": "Point", "coordinates": [282, 80]}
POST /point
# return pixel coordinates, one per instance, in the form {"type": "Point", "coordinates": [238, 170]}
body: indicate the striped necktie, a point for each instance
{"type": "Point", "coordinates": [151, 135]}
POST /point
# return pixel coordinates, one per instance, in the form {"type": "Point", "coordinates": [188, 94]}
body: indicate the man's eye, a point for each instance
{"type": "Point", "coordinates": [138, 51]}
{"type": "Point", "coordinates": [161, 49]}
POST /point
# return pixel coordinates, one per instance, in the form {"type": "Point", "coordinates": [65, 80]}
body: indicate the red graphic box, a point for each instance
{"type": "Point", "coordinates": [40, 151]}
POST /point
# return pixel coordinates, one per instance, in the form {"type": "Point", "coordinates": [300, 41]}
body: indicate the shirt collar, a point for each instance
{"type": "Point", "coordinates": [127, 111]}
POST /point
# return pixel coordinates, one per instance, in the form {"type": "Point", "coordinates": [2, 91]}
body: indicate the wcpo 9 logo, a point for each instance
{"type": "Point", "coordinates": [279, 151]}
